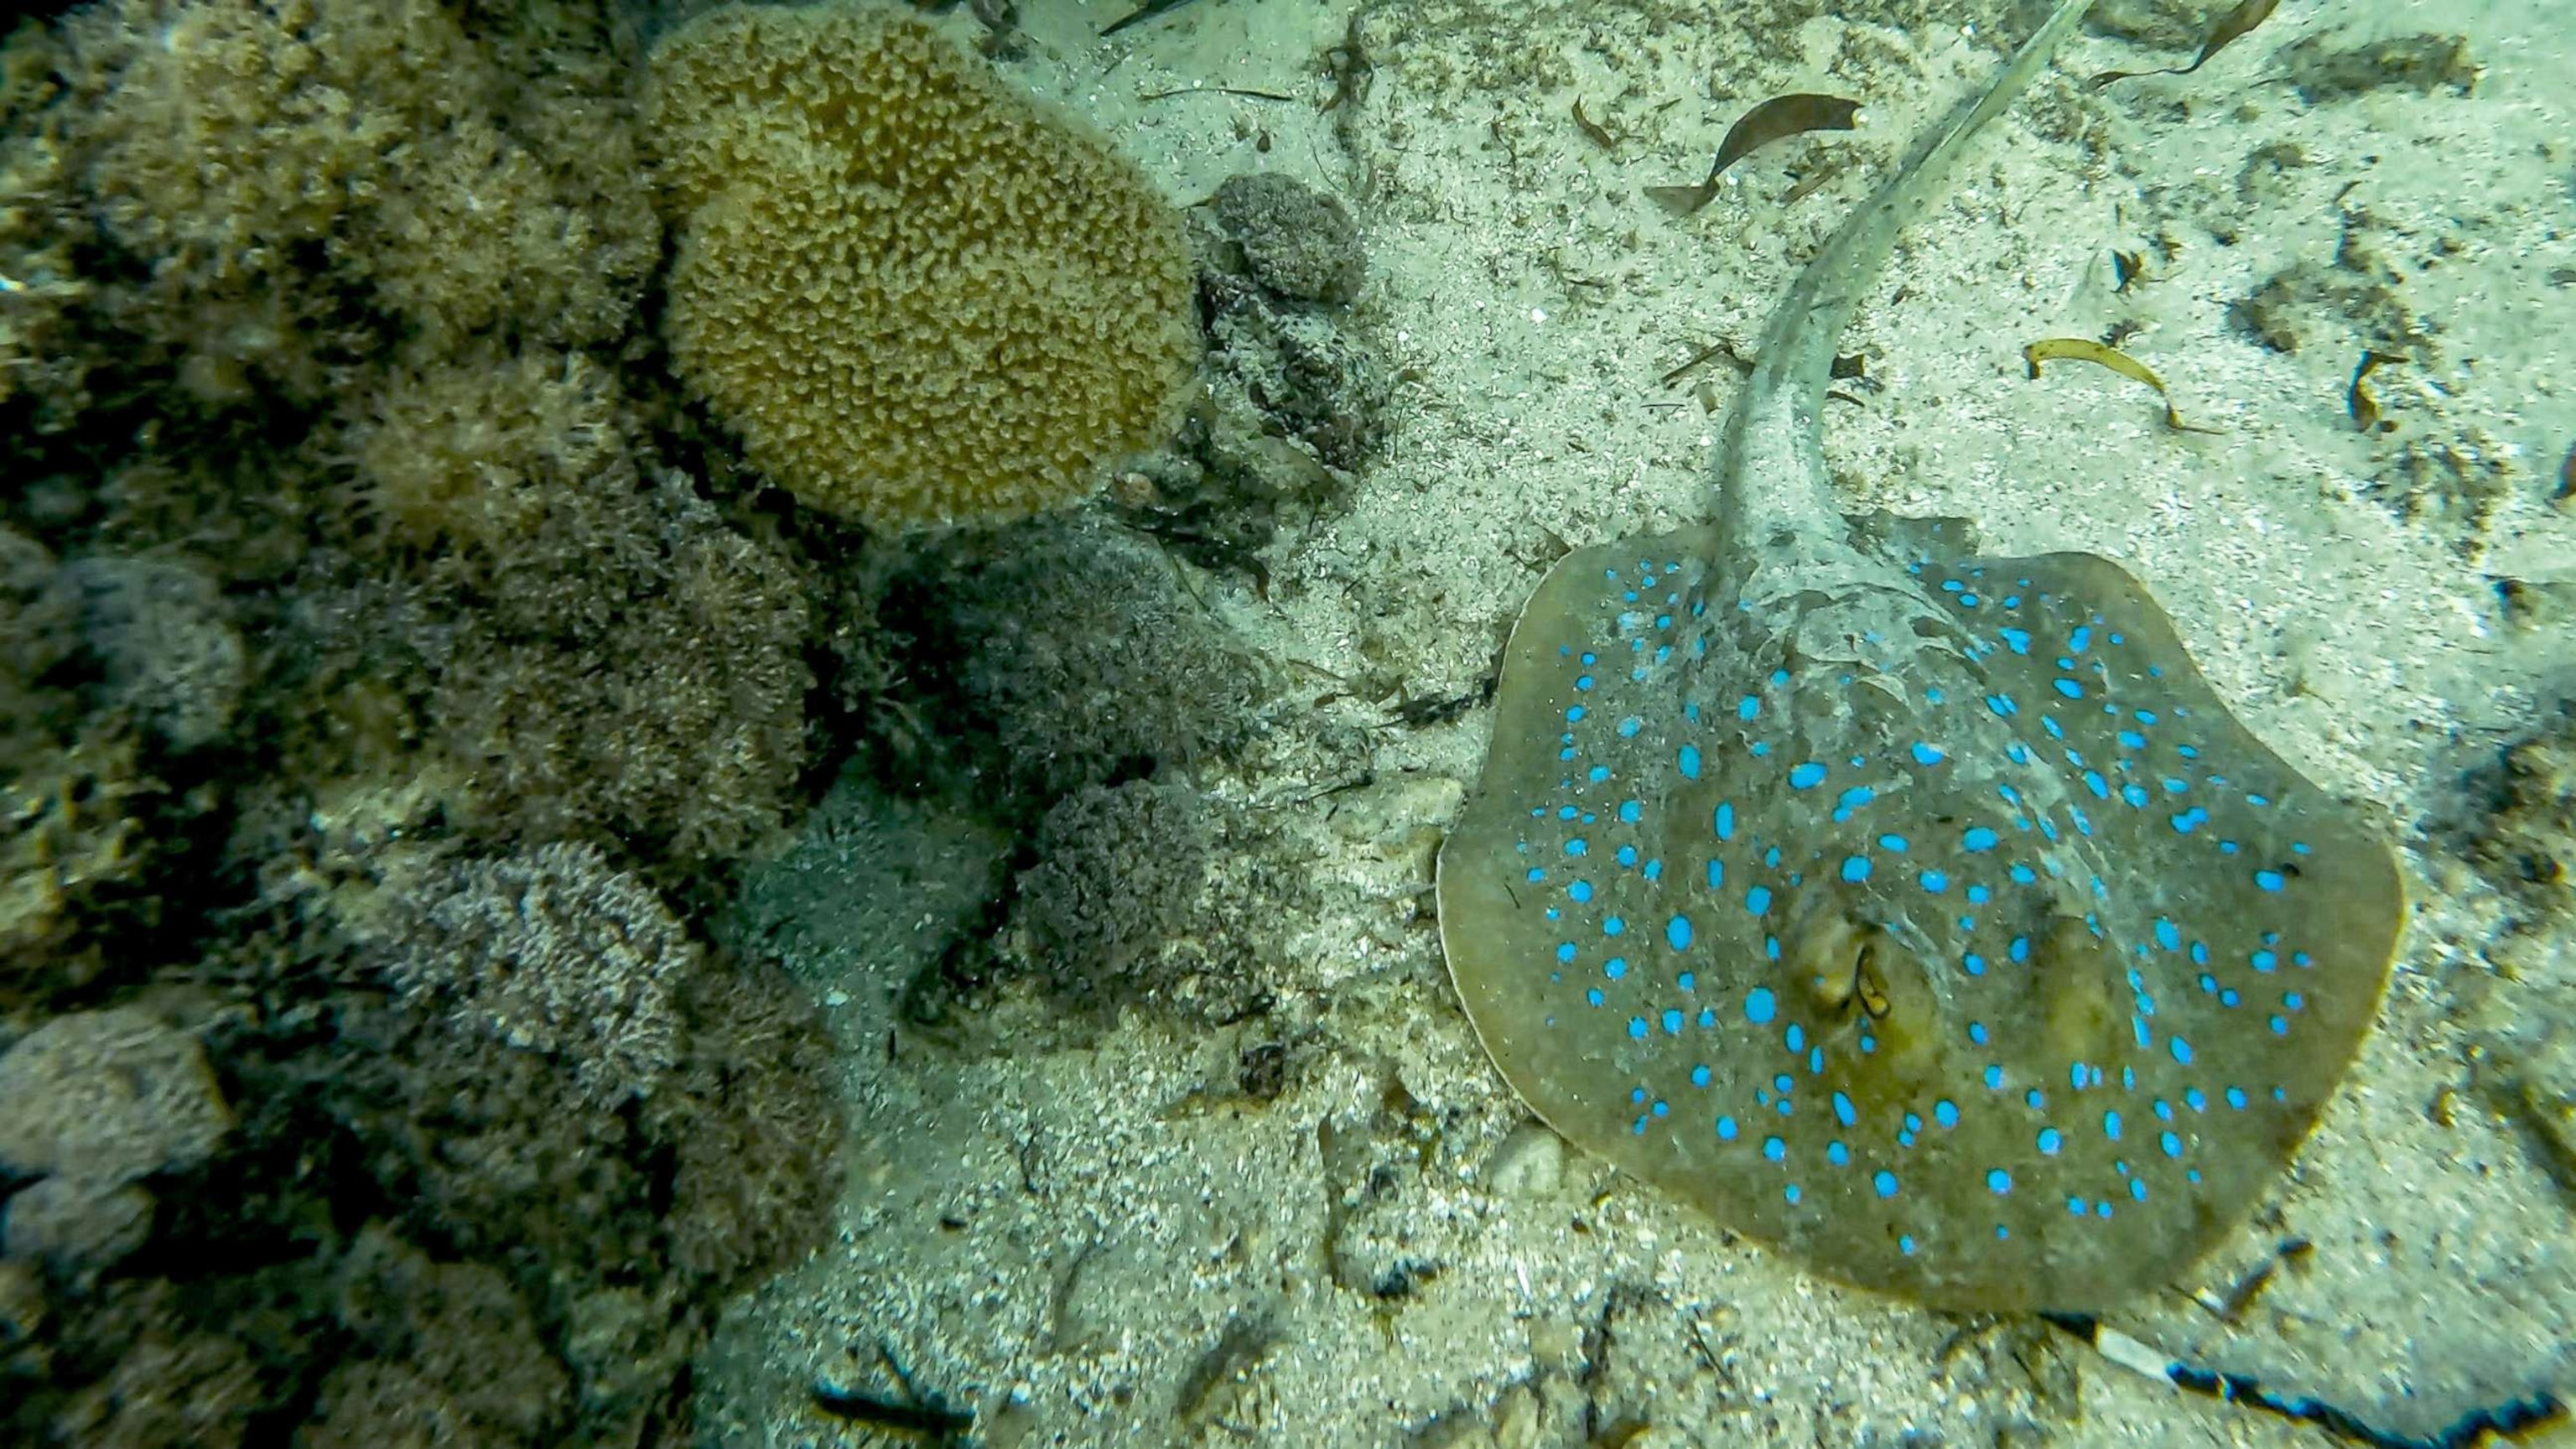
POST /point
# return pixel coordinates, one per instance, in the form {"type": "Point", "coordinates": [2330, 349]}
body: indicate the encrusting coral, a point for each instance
{"type": "Point", "coordinates": [107, 1096]}
{"type": "Point", "coordinates": [252, 160]}
{"type": "Point", "coordinates": [1296, 241]}
{"type": "Point", "coordinates": [919, 297]}
{"type": "Point", "coordinates": [90, 1102]}
{"type": "Point", "coordinates": [554, 951]}
{"type": "Point", "coordinates": [2528, 841]}
{"type": "Point", "coordinates": [1072, 652]}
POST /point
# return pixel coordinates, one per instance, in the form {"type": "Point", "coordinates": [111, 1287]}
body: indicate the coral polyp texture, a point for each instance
{"type": "Point", "coordinates": [555, 952]}
{"type": "Point", "coordinates": [918, 296]}
{"type": "Point", "coordinates": [257, 194]}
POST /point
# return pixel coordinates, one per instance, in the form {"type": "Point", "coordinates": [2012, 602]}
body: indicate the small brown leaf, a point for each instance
{"type": "Point", "coordinates": [1778, 117]}
{"type": "Point", "coordinates": [2224, 31]}
{"type": "Point", "coordinates": [2358, 399]}
{"type": "Point", "coordinates": [1600, 134]}
{"type": "Point", "coordinates": [2085, 349]}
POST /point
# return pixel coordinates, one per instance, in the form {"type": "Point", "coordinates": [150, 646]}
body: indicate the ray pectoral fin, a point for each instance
{"type": "Point", "coordinates": [2073, 979]}
{"type": "Point", "coordinates": [1523, 898]}
{"type": "Point", "coordinates": [2008, 988]}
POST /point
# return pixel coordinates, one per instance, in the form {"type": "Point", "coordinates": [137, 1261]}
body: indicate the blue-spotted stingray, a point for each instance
{"type": "Point", "coordinates": [1920, 913]}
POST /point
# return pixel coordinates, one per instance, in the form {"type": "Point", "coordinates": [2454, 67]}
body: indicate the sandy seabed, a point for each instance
{"type": "Point", "coordinates": [1097, 1241]}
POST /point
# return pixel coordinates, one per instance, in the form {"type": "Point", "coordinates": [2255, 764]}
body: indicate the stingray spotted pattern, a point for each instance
{"type": "Point", "coordinates": [1923, 914]}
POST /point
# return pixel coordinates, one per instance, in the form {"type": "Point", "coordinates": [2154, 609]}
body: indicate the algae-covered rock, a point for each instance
{"type": "Point", "coordinates": [108, 1096]}
{"type": "Point", "coordinates": [68, 830]}
{"type": "Point", "coordinates": [1147, 892]}
{"type": "Point", "coordinates": [2528, 840]}
{"type": "Point", "coordinates": [1296, 241]}
{"type": "Point", "coordinates": [77, 1227]}
{"type": "Point", "coordinates": [1297, 395]}
{"type": "Point", "coordinates": [2423, 63]}
{"type": "Point", "coordinates": [1077, 654]}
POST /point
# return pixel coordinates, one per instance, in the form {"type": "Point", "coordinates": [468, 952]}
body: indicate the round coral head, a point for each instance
{"type": "Point", "coordinates": [919, 296]}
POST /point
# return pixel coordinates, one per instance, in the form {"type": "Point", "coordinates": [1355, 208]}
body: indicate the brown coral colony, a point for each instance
{"type": "Point", "coordinates": [405, 659]}
{"type": "Point", "coordinates": [390, 669]}
{"type": "Point", "coordinates": [919, 297]}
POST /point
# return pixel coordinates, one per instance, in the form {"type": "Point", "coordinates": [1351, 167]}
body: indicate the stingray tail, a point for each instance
{"type": "Point", "coordinates": [1772, 453]}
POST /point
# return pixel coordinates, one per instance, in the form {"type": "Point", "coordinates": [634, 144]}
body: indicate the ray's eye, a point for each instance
{"type": "Point", "coordinates": [1836, 953]}
{"type": "Point", "coordinates": [1845, 969]}
{"type": "Point", "coordinates": [1869, 986]}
